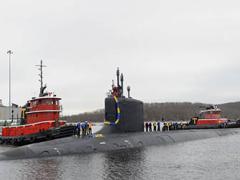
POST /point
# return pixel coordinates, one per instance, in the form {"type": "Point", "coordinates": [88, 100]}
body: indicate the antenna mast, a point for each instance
{"type": "Point", "coordinates": [42, 88]}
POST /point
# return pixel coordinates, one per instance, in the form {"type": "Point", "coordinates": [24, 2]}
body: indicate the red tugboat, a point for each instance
{"type": "Point", "coordinates": [39, 120]}
{"type": "Point", "coordinates": [209, 118]}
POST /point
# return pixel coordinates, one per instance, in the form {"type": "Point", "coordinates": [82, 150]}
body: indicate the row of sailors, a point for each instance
{"type": "Point", "coordinates": [153, 126]}
{"type": "Point", "coordinates": [83, 128]}
{"type": "Point", "coordinates": [162, 126]}
{"type": "Point", "coordinates": [173, 126]}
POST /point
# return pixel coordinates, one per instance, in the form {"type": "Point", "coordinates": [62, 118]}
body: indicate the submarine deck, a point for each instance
{"type": "Point", "coordinates": [111, 142]}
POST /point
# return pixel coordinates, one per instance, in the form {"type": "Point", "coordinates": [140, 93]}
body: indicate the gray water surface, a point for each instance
{"type": "Point", "coordinates": [216, 158]}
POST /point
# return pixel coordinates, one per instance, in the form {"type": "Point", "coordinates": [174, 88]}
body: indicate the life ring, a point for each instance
{"type": "Point", "coordinates": [118, 114]}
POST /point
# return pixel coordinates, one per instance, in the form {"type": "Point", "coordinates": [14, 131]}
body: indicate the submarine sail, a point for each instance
{"type": "Point", "coordinates": [122, 114]}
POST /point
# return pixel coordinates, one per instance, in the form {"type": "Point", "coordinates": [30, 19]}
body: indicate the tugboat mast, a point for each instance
{"type": "Point", "coordinates": [42, 88]}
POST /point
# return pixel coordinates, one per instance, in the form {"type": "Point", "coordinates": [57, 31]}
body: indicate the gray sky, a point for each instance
{"type": "Point", "coordinates": [168, 50]}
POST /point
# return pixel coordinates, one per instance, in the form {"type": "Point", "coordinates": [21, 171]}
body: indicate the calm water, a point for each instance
{"type": "Point", "coordinates": [217, 158]}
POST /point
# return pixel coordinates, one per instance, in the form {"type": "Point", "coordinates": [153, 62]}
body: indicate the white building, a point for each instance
{"type": "Point", "coordinates": [6, 114]}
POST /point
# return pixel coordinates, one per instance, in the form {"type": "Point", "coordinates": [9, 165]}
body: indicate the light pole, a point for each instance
{"type": "Point", "coordinates": [9, 52]}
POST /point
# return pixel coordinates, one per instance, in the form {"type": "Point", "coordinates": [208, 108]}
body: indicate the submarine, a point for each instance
{"type": "Point", "coordinates": [123, 129]}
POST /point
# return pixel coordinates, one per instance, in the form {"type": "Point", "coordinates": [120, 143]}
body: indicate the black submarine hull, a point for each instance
{"type": "Point", "coordinates": [110, 142]}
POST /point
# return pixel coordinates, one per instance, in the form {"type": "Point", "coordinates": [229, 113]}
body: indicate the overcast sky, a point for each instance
{"type": "Point", "coordinates": [168, 50]}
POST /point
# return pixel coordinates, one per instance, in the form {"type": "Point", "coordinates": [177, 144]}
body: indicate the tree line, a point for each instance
{"type": "Point", "coordinates": [167, 111]}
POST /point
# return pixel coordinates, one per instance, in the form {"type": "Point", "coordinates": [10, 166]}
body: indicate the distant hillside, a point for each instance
{"type": "Point", "coordinates": [168, 111]}
{"type": "Point", "coordinates": [231, 110]}
{"type": "Point", "coordinates": [96, 116]}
